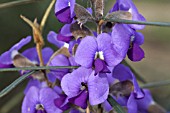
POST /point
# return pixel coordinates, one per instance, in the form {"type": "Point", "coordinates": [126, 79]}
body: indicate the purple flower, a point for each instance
{"type": "Point", "coordinates": [87, 87]}
{"type": "Point", "coordinates": [52, 38]}
{"type": "Point", "coordinates": [6, 59]}
{"type": "Point", "coordinates": [127, 41]}
{"type": "Point", "coordinates": [123, 73]}
{"type": "Point", "coordinates": [98, 52]}
{"type": "Point", "coordinates": [135, 52]}
{"type": "Point", "coordinates": [121, 35]}
{"type": "Point", "coordinates": [40, 101]}
{"type": "Point", "coordinates": [65, 34]}
{"type": "Point", "coordinates": [64, 10]}
{"type": "Point", "coordinates": [128, 5]}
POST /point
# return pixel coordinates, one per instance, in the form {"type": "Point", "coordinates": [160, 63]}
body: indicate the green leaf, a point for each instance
{"type": "Point", "coordinates": [115, 105]}
{"type": "Point", "coordinates": [165, 24]}
{"type": "Point", "coordinates": [38, 68]}
{"type": "Point", "coordinates": [15, 83]}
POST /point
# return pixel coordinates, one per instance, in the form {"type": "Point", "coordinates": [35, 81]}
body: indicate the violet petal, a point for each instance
{"type": "Point", "coordinates": [86, 51]}
{"type": "Point", "coordinates": [98, 88]}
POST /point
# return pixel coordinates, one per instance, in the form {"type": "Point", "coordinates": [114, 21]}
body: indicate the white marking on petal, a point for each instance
{"type": "Point", "coordinates": [66, 45]}
{"type": "Point", "coordinates": [132, 38]}
{"type": "Point", "coordinates": [101, 56]}
{"type": "Point", "coordinates": [69, 4]}
{"type": "Point", "coordinates": [39, 107]}
{"type": "Point", "coordinates": [14, 53]}
{"type": "Point", "coordinates": [28, 109]}
{"type": "Point", "coordinates": [130, 10]}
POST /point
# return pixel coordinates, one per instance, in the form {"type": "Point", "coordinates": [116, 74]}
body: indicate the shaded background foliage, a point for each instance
{"type": "Point", "coordinates": [155, 66]}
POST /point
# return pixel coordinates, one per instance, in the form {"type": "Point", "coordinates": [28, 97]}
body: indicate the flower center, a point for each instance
{"type": "Point", "coordinates": [99, 55]}
{"type": "Point", "coordinates": [66, 45]}
{"type": "Point", "coordinates": [39, 107]}
{"type": "Point", "coordinates": [83, 86]}
{"type": "Point", "coordinates": [68, 3]}
{"type": "Point", "coordinates": [132, 38]}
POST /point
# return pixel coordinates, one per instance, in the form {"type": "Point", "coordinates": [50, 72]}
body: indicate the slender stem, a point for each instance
{"type": "Point", "coordinates": [88, 109]}
{"type": "Point", "coordinates": [156, 84]}
{"type": "Point", "coordinates": [16, 3]}
{"type": "Point", "coordinates": [165, 24]}
{"type": "Point", "coordinates": [100, 109]}
{"type": "Point", "coordinates": [115, 105]}
{"type": "Point", "coordinates": [138, 76]}
{"type": "Point", "coordinates": [39, 51]}
{"type": "Point", "coordinates": [15, 83]}
{"type": "Point", "coordinates": [38, 68]}
{"type": "Point", "coordinates": [44, 19]}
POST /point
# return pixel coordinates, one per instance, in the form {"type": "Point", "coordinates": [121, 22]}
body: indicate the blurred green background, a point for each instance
{"type": "Point", "coordinates": [155, 66]}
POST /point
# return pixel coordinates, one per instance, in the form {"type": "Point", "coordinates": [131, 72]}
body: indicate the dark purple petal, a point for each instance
{"type": "Point", "coordinates": [99, 65]}
{"type": "Point", "coordinates": [80, 100]}
{"type": "Point", "coordinates": [132, 104]}
{"type": "Point", "coordinates": [121, 39]}
{"type": "Point", "coordinates": [64, 10]}
{"type": "Point", "coordinates": [86, 51]}
{"type": "Point", "coordinates": [98, 88]}
{"type": "Point", "coordinates": [52, 38]}
{"type": "Point", "coordinates": [63, 38]}
{"type": "Point", "coordinates": [71, 83]}
{"type": "Point", "coordinates": [123, 73]}
{"type": "Point", "coordinates": [143, 104]}
{"type": "Point", "coordinates": [62, 102]}
{"type": "Point", "coordinates": [135, 53]}
{"type": "Point", "coordinates": [5, 58]}
{"type": "Point", "coordinates": [5, 66]}
{"type": "Point", "coordinates": [64, 15]}
{"type": "Point", "coordinates": [74, 111]}
{"type": "Point", "coordinates": [139, 38]}
{"type": "Point", "coordinates": [30, 100]}
{"type": "Point", "coordinates": [46, 97]}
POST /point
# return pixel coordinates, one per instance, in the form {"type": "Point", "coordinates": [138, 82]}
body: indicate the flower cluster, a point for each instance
{"type": "Point", "coordinates": [98, 56]}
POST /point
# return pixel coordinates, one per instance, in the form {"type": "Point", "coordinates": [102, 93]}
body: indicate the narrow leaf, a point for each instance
{"type": "Point", "coordinates": [165, 24]}
{"type": "Point", "coordinates": [115, 105]}
{"type": "Point", "coordinates": [15, 83]}
{"type": "Point", "coordinates": [38, 68]}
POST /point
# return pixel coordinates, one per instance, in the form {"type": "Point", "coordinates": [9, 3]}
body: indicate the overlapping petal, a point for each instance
{"type": "Point", "coordinates": [98, 88]}
{"type": "Point", "coordinates": [5, 58]}
{"type": "Point", "coordinates": [71, 82]}
{"type": "Point", "coordinates": [86, 51]}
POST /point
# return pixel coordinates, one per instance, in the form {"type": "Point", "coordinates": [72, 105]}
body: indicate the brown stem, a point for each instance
{"type": "Point", "coordinates": [100, 109]}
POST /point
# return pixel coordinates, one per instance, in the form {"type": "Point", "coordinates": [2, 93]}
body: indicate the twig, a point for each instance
{"type": "Point", "coordinates": [38, 68]}
{"type": "Point", "coordinates": [44, 19]}
{"type": "Point", "coordinates": [165, 24]}
{"type": "Point", "coordinates": [16, 3]}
